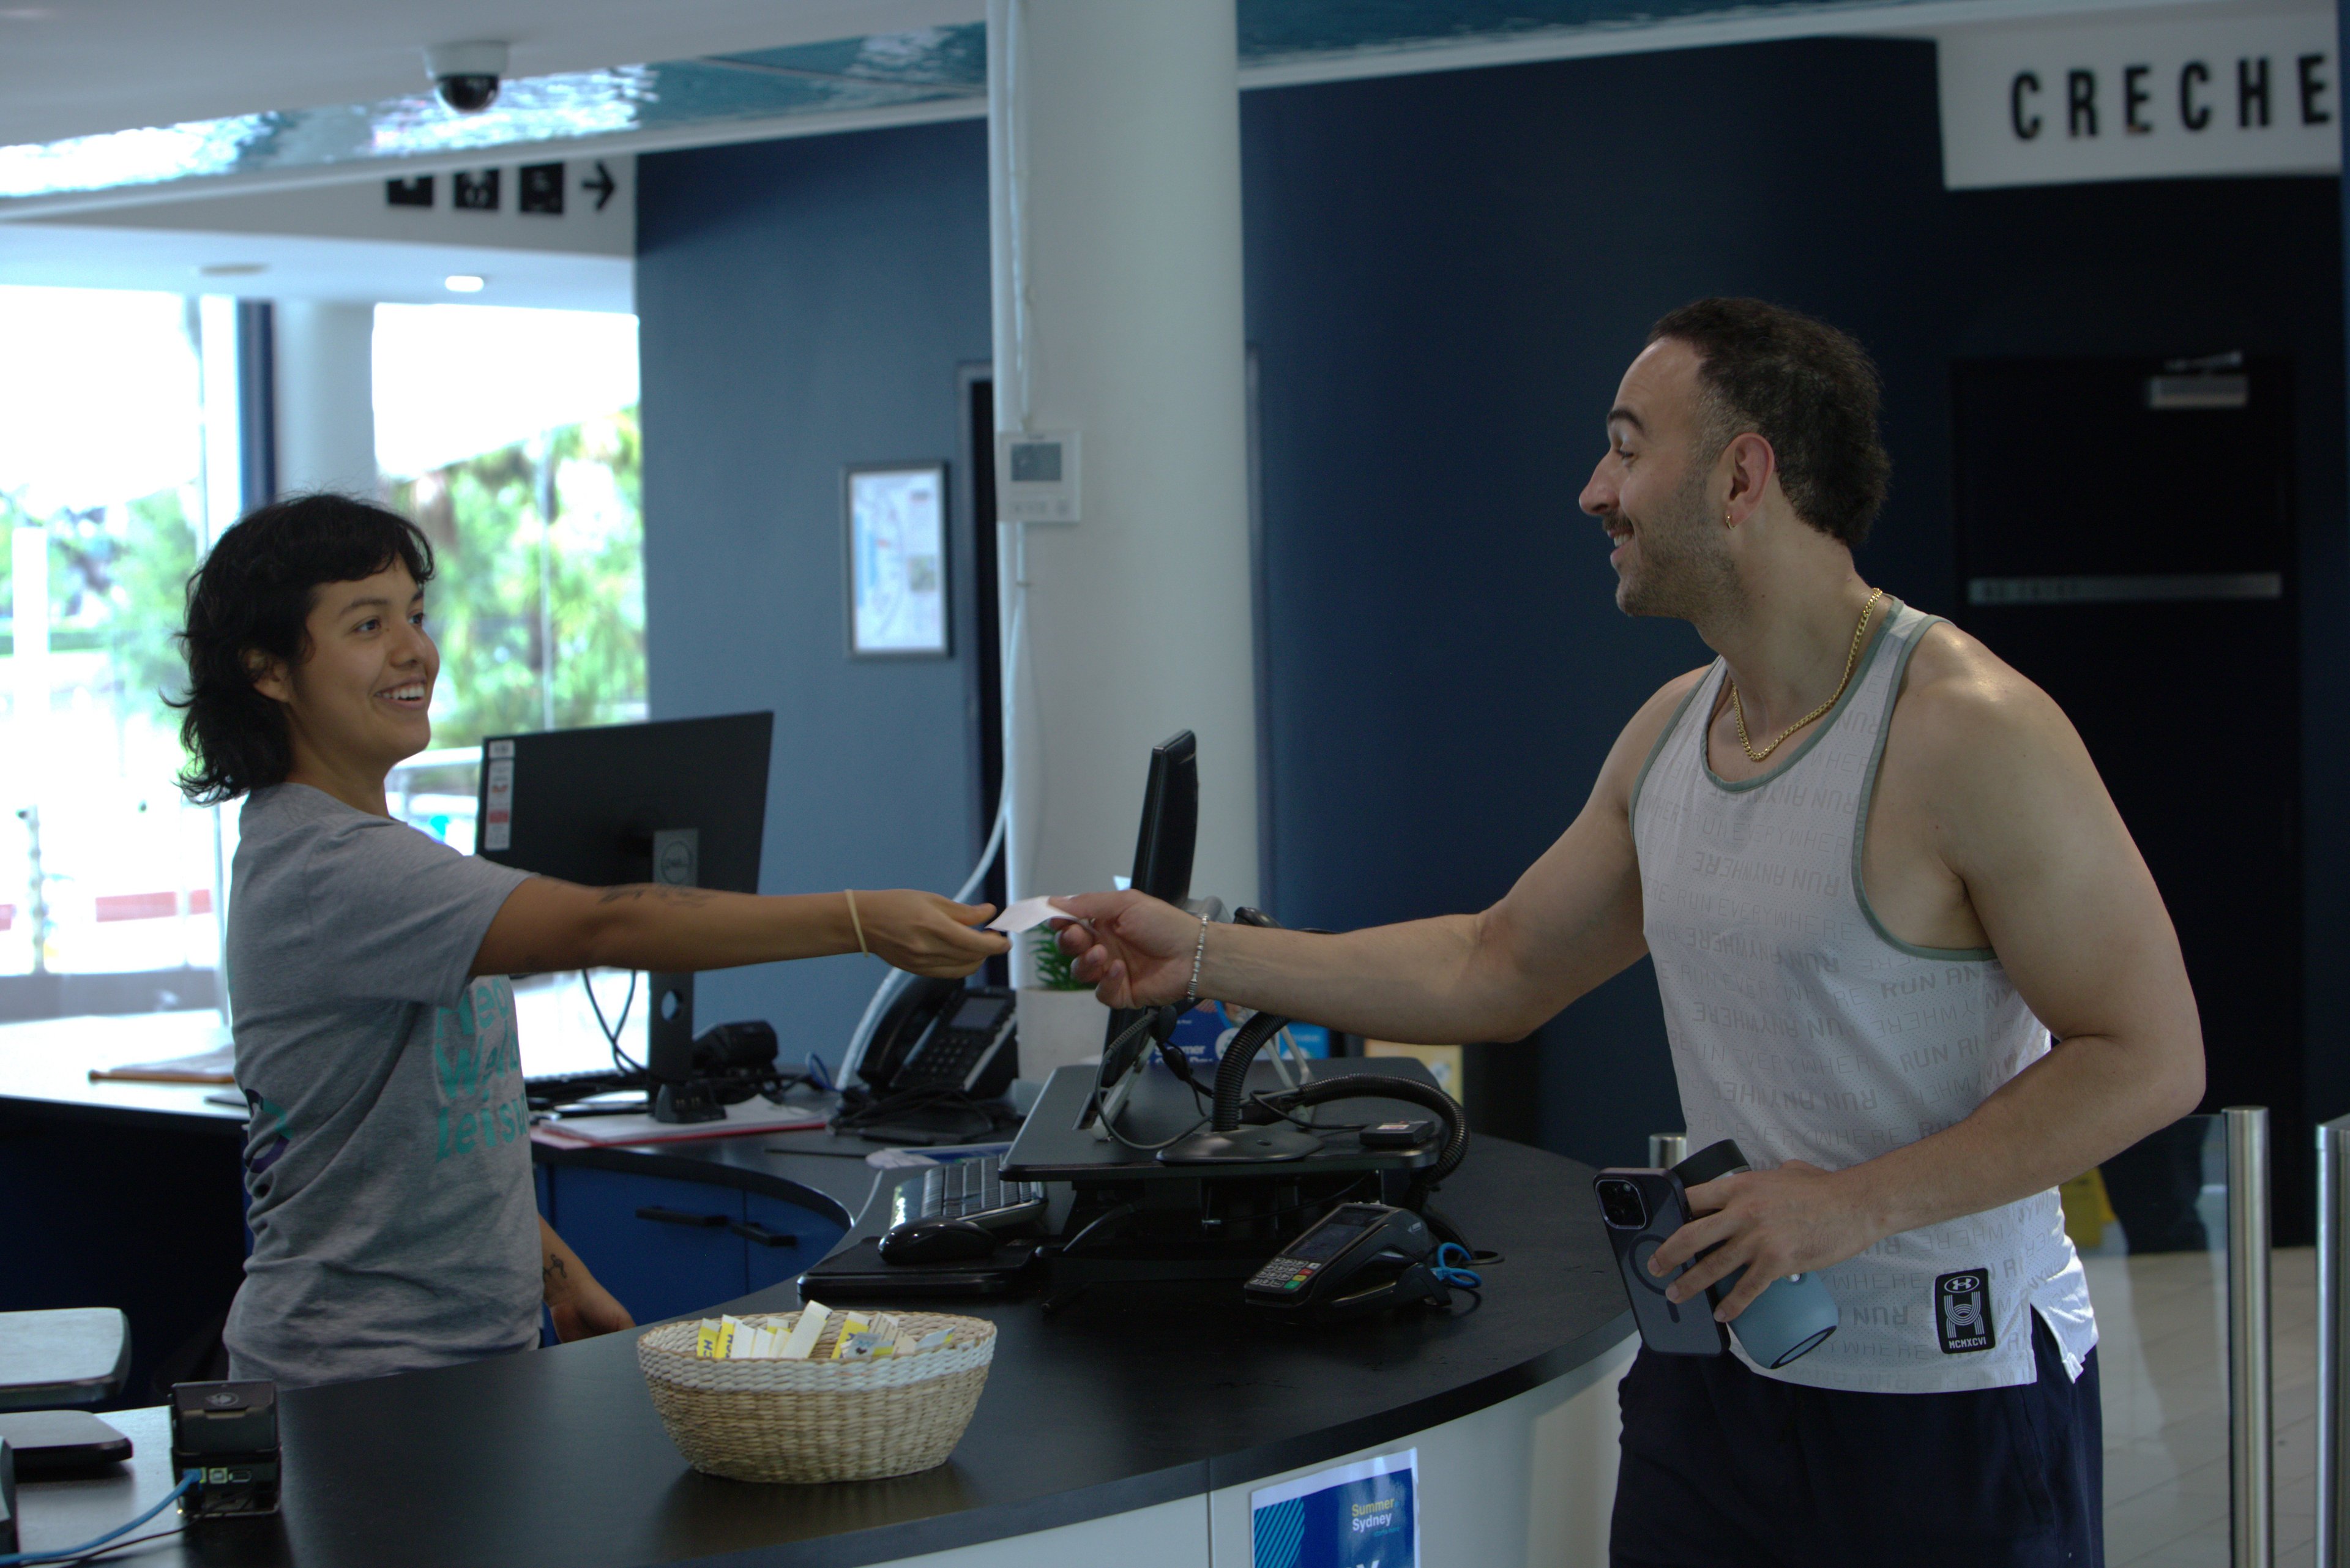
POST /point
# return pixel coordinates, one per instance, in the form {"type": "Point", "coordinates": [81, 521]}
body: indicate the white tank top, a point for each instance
{"type": "Point", "coordinates": [1802, 1028]}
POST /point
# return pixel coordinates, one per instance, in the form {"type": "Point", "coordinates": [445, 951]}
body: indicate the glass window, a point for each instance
{"type": "Point", "coordinates": [523, 473]}
{"type": "Point", "coordinates": [103, 868]}
{"type": "Point", "coordinates": [527, 482]}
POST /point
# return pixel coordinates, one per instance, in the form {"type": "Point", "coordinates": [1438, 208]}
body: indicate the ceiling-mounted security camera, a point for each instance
{"type": "Point", "coordinates": [467, 75]}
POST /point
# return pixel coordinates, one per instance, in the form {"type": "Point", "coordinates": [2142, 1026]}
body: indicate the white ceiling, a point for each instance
{"type": "Point", "coordinates": [73, 67]}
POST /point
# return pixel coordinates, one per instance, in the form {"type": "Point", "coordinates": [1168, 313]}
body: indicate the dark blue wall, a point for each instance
{"type": "Point", "coordinates": [1447, 274]}
{"type": "Point", "coordinates": [806, 304]}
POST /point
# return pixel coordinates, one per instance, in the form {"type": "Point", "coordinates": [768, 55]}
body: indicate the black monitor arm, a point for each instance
{"type": "Point", "coordinates": [1225, 1140]}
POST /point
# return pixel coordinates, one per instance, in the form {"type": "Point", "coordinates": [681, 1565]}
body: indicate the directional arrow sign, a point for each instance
{"type": "Point", "coordinates": [603, 184]}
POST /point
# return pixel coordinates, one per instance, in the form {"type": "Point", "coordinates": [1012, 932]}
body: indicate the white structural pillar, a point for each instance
{"type": "Point", "coordinates": [1115, 189]}
{"type": "Point", "coordinates": [325, 396]}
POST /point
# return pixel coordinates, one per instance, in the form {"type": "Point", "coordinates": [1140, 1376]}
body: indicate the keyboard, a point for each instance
{"type": "Point", "coordinates": [548, 1090]}
{"type": "Point", "coordinates": [974, 1190]}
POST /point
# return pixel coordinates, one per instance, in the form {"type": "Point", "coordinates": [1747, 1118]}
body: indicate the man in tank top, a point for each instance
{"type": "Point", "coordinates": [1876, 872]}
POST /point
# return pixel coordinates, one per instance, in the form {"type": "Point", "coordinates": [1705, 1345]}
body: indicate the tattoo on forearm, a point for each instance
{"type": "Point", "coordinates": [666, 894]}
{"type": "Point", "coordinates": [552, 1269]}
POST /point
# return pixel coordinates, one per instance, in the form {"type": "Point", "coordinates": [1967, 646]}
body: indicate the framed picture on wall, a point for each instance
{"type": "Point", "coordinates": [897, 515]}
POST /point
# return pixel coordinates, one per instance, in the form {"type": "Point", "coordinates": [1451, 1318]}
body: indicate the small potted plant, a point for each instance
{"type": "Point", "coordinates": [1060, 1022]}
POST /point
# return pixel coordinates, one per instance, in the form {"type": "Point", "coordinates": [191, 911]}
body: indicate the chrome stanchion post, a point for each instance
{"type": "Point", "coordinates": [2332, 1408]}
{"type": "Point", "coordinates": [2252, 1433]}
{"type": "Point", "coordinates": [1667, 1150]}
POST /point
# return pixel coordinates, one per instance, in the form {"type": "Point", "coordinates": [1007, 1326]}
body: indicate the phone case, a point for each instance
{"type": "Point", "coordinates": [1670, 1328]}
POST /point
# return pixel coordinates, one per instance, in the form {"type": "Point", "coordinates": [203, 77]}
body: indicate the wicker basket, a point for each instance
{"type": "Point", "coordinates": [767, 1419]}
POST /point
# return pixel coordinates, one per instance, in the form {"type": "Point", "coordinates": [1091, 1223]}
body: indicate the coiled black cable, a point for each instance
{"type": "Point", "coordinates": [1369, 1086]}
{"type": "Point", "coordinates": [1231, 1086]}
{"type": "Point", "coordinates": [1231, 1071]}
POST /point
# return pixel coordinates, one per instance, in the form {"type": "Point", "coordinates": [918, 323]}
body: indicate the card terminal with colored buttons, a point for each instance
{"type": "Point", "coordinates": [1359, 1258]}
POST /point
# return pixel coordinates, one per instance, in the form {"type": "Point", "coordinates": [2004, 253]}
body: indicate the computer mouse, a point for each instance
{"type": "Point", "coordinates": [936, 1241]}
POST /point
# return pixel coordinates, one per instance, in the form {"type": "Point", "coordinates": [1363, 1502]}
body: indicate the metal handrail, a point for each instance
{"type": "Point", "coordinates": [2333, 1388]}
{"type": "Point", "coordinates": [2251, 1416]}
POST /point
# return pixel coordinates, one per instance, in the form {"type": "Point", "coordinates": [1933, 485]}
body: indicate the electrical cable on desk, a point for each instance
{"type": "Point", "coordinates": [620, 1059]}
{"type": "Point", "coordinates": [860, 1109]}
{"type": "Point", "coordinates": [96, 1545]}
{"type": "Point", "coordinates": [1110, 1124]}
{"type": "Point", "coordinates": [1456, 1271]}
{"type": "Point", "coordinates": [109, 1549]}
{"type": "Point", "coordinates": [1106, 1216]}
{"type": "Point", "coordinates": [1262, 1100]}
{"type": "Point", "coordinates": [777, 1087]}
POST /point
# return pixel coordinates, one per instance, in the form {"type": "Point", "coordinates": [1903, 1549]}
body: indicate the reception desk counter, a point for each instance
{"type": "Point", "coordinates": [1129, 1426]}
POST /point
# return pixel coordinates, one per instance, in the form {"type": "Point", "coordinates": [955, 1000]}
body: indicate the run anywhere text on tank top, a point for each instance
{"type": "Point", "coordinates": [1802, 1028]}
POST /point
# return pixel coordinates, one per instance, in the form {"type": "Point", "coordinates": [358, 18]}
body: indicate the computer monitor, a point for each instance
{"type": "Point", "coordinates": [679, 801]}
{"type": "Point", "coordinates": [1171, 820]}
{"type": "Point", "coordinates": [1162, 854]}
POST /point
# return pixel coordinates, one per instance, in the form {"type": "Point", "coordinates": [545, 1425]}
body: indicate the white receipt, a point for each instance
{"type": "Point", "coordinates": [1026, 914]}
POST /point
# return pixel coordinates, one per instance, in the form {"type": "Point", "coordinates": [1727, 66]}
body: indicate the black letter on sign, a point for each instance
{"type": "Point", "coordinates": [2252, 87]}
{"type": "Point", "coordinates": [2135, 98]}
{"type": "Point", "coordinates": [2080, 102]}
{"type": "Point", "coordinates": [2192, 115]}
{"type": "Point", "coordinates": [2312, 88]}
{"type": "Point", "coordinates": [2025, 127]}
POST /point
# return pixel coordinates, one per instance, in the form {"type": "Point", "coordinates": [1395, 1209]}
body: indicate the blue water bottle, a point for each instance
{"type": "Point", "coordinates": [1796, 1314]}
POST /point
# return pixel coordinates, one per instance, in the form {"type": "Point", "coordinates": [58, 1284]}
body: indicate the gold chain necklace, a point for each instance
{"type": "Point", "coordinates": [1851, 662]}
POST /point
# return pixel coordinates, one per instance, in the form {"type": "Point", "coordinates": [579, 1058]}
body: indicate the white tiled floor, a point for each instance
{"type": "Point", "coordinates": [2159, 1335]}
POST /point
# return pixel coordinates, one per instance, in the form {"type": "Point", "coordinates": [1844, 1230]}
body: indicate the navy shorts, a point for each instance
{"type": "Point", "coordinates": [1723, 1466]}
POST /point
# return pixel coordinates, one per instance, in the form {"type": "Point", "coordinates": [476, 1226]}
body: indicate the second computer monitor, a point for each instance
{"type": "Point", "coordinates": [1163, 858]}
{"type": "Point", "coordinates": [681, 802]}
{"type": "Point", "coordinates": [1171, 820]}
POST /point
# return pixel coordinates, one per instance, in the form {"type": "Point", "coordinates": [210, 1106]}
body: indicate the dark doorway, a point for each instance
{"type": "Point", "coordinates": [2126, 536]}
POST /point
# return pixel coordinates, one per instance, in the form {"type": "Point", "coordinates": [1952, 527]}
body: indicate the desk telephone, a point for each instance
{"type": "Point", "coordinates": [943, 1035]}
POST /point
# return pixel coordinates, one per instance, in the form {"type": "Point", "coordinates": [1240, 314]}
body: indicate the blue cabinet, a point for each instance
{"type": "Point", "coordinates": [782, 1239]}
{"type": "Point", "coordinates": [667, 1247]}
{"type": "Point", "coordinates": [663, 1247]}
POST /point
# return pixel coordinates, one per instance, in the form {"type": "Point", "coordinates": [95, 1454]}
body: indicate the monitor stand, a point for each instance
{"type": "Point", "coordinates": [676, 1096]}
{"type": "Point", "coordinates": [1243, 1146]}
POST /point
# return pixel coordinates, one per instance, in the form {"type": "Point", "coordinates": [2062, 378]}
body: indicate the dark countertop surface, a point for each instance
{"type": "Point", "coordinates": [1131, 1397]}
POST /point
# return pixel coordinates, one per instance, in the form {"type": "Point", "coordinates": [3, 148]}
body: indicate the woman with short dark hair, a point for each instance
{"type": "Point", "coordinates": [388, 1155]}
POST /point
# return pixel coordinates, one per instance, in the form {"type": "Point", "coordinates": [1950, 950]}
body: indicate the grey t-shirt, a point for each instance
{"type": "Point", "coordinates": [388, 1154]}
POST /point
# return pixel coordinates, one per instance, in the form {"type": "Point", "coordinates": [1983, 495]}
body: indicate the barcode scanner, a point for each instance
{"type": "Point", "coordinates": [1790, 1319]}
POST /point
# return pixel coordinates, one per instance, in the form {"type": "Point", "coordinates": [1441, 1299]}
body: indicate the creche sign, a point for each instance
{"type": "Point", "coordinates": [2140, 101]}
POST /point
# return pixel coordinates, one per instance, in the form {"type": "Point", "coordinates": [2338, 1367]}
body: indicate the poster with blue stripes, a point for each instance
{"type": "Point", "coordinates": [1363, 1515]}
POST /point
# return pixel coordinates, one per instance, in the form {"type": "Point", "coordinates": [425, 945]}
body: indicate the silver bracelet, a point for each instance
{"type": "Point", "coordinates": [1199, 956]}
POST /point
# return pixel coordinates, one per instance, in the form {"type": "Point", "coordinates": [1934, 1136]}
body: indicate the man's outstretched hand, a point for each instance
{"type": "Point", "coordinates": [1134, 950]}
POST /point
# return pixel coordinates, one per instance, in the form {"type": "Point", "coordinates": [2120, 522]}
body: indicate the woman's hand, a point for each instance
{"type": "Point", "coordinates": [589, 1310]}
{"type": "Point", "coordinates": [927, 934]}
{"type": "Point", "coordinates": [1136, 951]}
{"type": "Point", "coordinates": [580, 1307]}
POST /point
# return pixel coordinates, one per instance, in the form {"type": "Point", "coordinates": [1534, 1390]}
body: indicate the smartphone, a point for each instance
{"type": "Point", "coordinates": [1641, 1208]}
